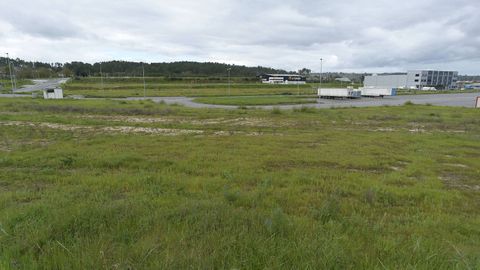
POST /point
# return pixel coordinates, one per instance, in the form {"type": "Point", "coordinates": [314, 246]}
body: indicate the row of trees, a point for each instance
{"type": "Point", "coordinates": [175, 69]}
{"type": "Point", "coordinates": [25, 69]}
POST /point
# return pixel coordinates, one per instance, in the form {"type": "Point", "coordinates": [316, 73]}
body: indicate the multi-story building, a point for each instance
{"type": "Point", "coordinates": [415, 79]}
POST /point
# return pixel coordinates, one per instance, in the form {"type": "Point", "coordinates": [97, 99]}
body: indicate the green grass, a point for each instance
{"type": "Point", "coordinates": [200, 87]}
{"type": "Point", "coordinates": [257, 100]}
{"type": "Point", "coordinates": [430, 92]}
{"type": "Point", "coordinates": [7, 85]}
{"type": "Point", "coordinates": [115, 87]}
{"type": "Point", "coordinates": [105, 184]}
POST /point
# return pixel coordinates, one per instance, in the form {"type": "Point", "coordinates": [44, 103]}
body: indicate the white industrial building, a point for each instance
{"type": "Point", "coordinates": [415, 79]}
{"type": "Point", "coordinates": [283, 79]}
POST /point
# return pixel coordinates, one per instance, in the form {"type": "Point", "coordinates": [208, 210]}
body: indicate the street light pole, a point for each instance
{"type": "Point", "coordinates": [14, 76]}
{"type": "Point", "coordinates": [144, 87]}
{"type": "Point", "coordinates": [321, 74]}
{"type": "Point", "coordinates": [10, 71]}
{"type": "Point", "coordinates": [420, 85]}
{"type": "Point", "coordinates": [101, 78]}
{"type": "Point", "coordinates": [229, 87]}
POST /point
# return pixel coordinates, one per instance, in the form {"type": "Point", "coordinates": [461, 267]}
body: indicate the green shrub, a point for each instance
{"type": "Point", "coordinates": [277, 223]}
{"type": "Point", "coordinates": [330, 210]}
{"type": "Point", "coordinates": [276, 110]}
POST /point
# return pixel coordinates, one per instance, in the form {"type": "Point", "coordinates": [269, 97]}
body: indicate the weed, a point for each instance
{"type": "Point", "coordinates": [305, 109]}
{"type": "Point", "coordinates": [276, 110]}
{"type": "Point", "coordinates": [370, 196]}
{"type": "Point", "coordinates": [330, 210]}
{"type": "Point", "coordinates": [67, 161]}
{"type": "Point", "coordinates": [277, 224]}
{"type": "Point", "coordinates": [229, 195]}
{"type": "Point", "coordinates": [335, 189]}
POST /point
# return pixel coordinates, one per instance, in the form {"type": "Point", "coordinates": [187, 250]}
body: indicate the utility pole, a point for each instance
{"type": "Point", "coordinates": [10, 71]}
{"type": "Point", "coordinates": [229, 90]}
{"type": "Point", "coordinates": [14, 76]}
{"type": "Point", "coordinates": [101, 78]}
{"type": "Point", "coordinates": [321, 75]}
{"type": "Point", "coordinates": [421, 78]}
{"type": "Point", "coordinates": [144, 86]}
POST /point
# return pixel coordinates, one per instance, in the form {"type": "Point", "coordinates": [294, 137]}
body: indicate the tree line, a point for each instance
{"type": "Point", "coordinates": [29, 69]}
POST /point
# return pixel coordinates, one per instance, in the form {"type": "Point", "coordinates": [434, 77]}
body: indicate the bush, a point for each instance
{"type": "Point", "coordinates": [370, 196]}
{"type": "Point", "coordinates": [277, 224]}
{"type": "Point", "coordinates": [276, 110]}
{"type": "Point", "coordinates": [231, 196]}
{"type": "Point", "coordinates": [330, 210]}
{"type": "Point", "coordinates": [67, 161]}
{"type": "Point", "coordinates": [305, 109]}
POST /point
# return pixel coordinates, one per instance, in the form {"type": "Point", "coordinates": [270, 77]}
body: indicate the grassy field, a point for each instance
{"type": "Point", "coordinates": [257, 100]}
{"type": "Point", "coordinates": [7, 85]}
{"type": "Point", "coordinates": [115, 87]}
{"type": "Point", "coordinates": [133, 87]}
{"type": "Point", "coordinates": [138, 185]}
{"type": "Point", "coordinates": [427, 92]}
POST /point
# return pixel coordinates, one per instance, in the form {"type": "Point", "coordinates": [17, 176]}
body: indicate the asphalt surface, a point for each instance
{"type": "Point", "coordinates": [456, 100]}
{"type": "Point", "coordinates": [41, 85]}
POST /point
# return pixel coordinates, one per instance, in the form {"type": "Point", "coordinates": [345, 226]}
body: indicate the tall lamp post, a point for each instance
{"type": "Point", "coordinates": [144, 86]}
{"type": "Point", "coordinates": [420, 84]}
{"type": "Point", "coordinates": [229, 87]}
{"type": "Point", "coordinates": [101, 78]}
{"type": "Point", "coordinates": [321, 75]}
{"type": "Point", "coordinates": [10, 71]}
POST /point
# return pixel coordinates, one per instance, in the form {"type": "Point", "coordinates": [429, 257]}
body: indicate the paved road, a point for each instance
{"type": "Point", "coordinates": [41, 85]}
{"type": "Point", "coordinates": [456, 100]}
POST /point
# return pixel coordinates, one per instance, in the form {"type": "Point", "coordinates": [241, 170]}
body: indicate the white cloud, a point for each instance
{"type": "Point", "coordinates": [375, 35]}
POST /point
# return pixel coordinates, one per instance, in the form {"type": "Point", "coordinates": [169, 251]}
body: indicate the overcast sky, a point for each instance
{"type": "Point", "coordinates": [354, 35]}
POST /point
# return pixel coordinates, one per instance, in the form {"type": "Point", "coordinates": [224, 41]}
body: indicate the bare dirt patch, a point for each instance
{"type": "Point", "coordinates": [395, 168]}
{"type": "Point", "coordinates": [458, 165]}
{"type": "Point", "coordinates": [163, 131]}
{"type": "Point", "coordinates": [456, 181]}
{"type": "Point", "coordinates": [128, 129]}
{"type": "Point", "coordinates": [108, 129]}
{"type": "Point", "coordinates": [242, 121]}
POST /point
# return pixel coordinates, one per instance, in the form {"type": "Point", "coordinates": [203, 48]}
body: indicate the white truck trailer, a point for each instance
{"type": "Point", "coordinates": [338, 93]}
{"type": "Point", "coordinates": [378, 92]}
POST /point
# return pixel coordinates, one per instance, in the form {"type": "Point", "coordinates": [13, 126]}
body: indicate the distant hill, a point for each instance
{"type": "Point", "coordinates": [26, 69]}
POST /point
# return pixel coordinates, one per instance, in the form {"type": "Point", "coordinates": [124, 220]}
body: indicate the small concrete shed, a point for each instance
{"type": "Point", "coordinates": [56, 93]}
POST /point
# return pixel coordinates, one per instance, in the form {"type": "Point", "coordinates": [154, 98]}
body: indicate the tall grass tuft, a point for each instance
{"type": "Point", "coordinates": [276, 110]}
{"type": "Point", "coordinates": [277, 224]}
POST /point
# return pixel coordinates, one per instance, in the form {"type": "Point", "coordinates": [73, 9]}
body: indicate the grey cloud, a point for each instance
{"type": "Point", "coordinates": [351, 35]}
{"type": "Point", "coordinates": [50, 24]}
